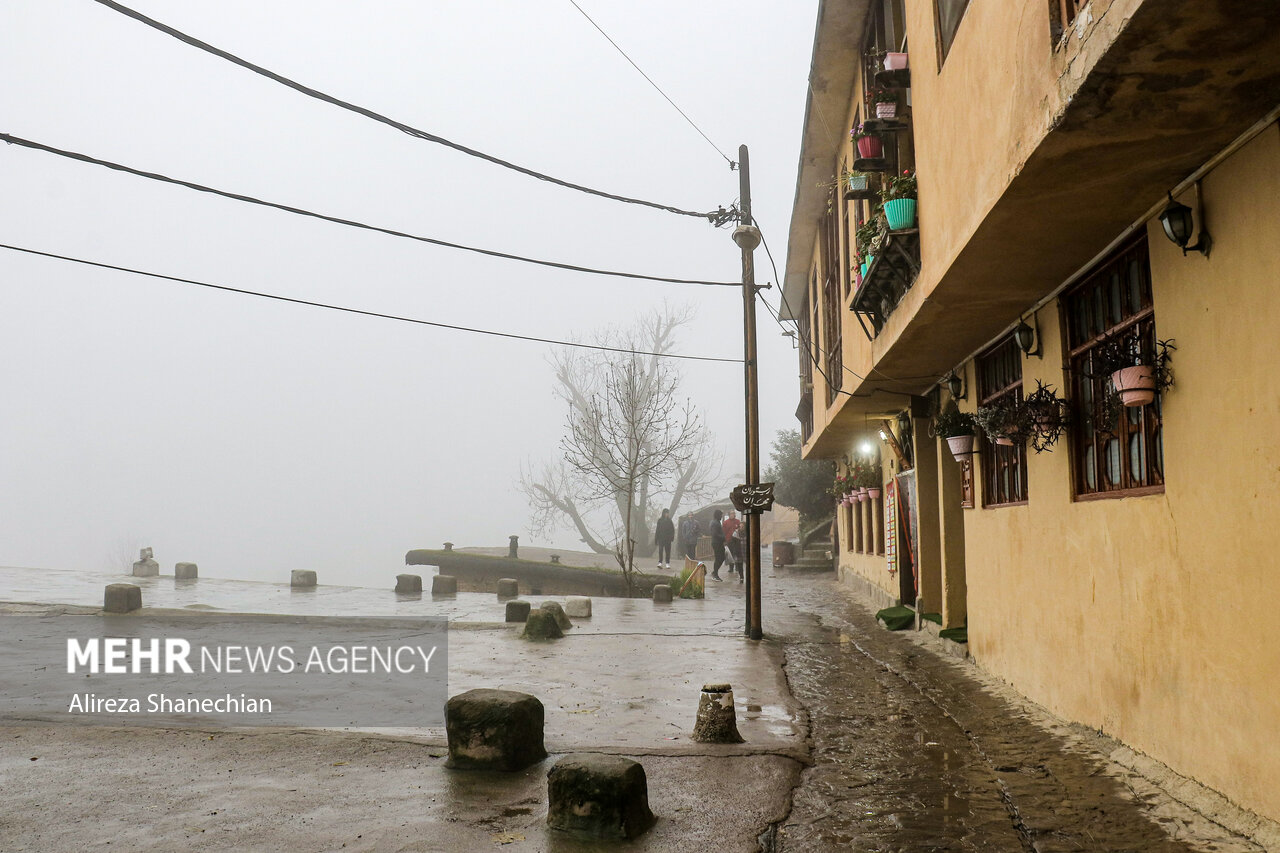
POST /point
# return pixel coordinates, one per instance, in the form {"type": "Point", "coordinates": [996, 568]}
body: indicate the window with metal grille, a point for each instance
{"type": "Point", "coordinates": [1117, 451]}
{"type": "Point", "coordinates": [829, 252]}
{"type": "Point", "coordinates": [1004, 468]}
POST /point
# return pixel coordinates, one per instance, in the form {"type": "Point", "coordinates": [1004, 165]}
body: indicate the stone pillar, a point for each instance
{"type": "Point", "coordinates": [122, 598]}
{"type": "Point", "coordinates": [146, 567]}
{"type": "Point", "coordinates": [494, 730]}
{"type": "Point", "coordinates": [542, 625]}
{"type": "Point", "coordinates": [954, 586]}
{"type": "Point", "coordinates": [518, 611]}
{"type": "Point", "coordinates": [514, 547]}
{"type": "Point", "coordinates": [662, 593]}
{"type": "Point", "coordinates": [508, 587]}
{"type": "Point", "coordinates": [578, 606]}
{"type": "Point", "coordinates": [444, 585]}
{"type": "Point", "coordinates": [557, 613]}
{"type": "Point", "coordinates": [598, 796]}
{"type": "Point", "coordinates": [929, 560]}
{"type": "Point", "coordinates": [409, 584]}
{"type": "Point", "coordinates": [302, 579]}
{"type": "Point", "coordinates": [716, 721]}
{"type": "Point", "coordinates": [185, 571]}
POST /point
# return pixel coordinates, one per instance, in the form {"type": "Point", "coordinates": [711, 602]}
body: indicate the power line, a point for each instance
{"type": "Point", "coordinates": [377, 314]}
{"type": "Point", "coordinates": [732, 164]}
{"type": "Point", "coordinates": [715, 216]}
{"type": "Point", "coordinates": [85, 158]}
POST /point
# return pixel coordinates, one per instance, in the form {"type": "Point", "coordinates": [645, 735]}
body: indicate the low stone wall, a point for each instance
{"type": "Point", "coordinates": [480, 573]}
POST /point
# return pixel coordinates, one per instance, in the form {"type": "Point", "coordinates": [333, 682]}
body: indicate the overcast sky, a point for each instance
{"type": "Point", "coordinates": [255, 437]}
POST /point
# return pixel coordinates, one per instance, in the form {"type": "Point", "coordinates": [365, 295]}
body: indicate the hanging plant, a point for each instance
{"type": "Point", "coordinates": [1004, 421]}
{"type": "Point", "coordinates": [957, 428]}
{"type": "Point", "coordinates": [1135, 371]}
{"type": "Point", "coordinates": [1048, 417]}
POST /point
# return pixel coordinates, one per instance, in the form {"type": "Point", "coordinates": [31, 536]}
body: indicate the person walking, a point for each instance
{"type": "Point", "coordinates": [733, 539]}
{"type": "Point", "coordinates": [664, 533]}
{"type": "Point", "coordinates": [717, 543]}
{"type": "Point", "coordinates": [690, 530]}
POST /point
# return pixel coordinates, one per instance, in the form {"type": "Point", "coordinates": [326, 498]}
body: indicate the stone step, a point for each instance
{"type": "Point", "coordinates": [816, 553]}
{"type": "Point", "coordinates": [823, 565]}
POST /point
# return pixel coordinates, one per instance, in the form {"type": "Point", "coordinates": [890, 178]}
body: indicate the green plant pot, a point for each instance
{"type": "Point", "coordinates": [901, 213]}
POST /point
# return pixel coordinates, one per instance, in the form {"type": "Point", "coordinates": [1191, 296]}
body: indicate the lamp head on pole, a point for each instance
{"type": "Point", "coordinates": [747, 237]}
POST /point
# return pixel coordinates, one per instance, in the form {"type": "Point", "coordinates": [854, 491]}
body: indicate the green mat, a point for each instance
{"type": "Point", "coordinates": [958, 635]}
{"type": "Point", "coordinates": [935, 618]}
{"type": "Point", "coordinates": [897, 618]}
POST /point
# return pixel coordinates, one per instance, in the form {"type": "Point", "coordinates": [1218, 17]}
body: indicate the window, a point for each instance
{"type": "Point", "coordinates": [1004, 469]}
{"type": "Point", "coordinates": [947, 16]}
{"type": "Point", "coordinates": [829, 251]}
{"type": "Point", "coordinates": [1115, 454]}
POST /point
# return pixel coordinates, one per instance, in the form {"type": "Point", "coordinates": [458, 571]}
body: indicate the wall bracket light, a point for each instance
{"type": "Point", "coordinates": [955, 386]}
{"type": "Point", "coordinates": [1026, 337]}
{"type": "Point", "coordinates": [1179, 222]}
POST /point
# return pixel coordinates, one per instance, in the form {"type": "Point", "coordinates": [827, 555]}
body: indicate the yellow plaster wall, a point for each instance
{"type": "Point", "coordinates": [1155, 618]}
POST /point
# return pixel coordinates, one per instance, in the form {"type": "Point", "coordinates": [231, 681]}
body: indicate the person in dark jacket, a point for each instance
{"type": "Point", "coordinates": [717, 543]}
{"type": "Point", "coordinates": [690, 530]}
{"type": "Point", "coordinates": [663, 535]}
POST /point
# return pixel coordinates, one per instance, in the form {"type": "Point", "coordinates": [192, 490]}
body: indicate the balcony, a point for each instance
{"type": "Point", "coordinates": [890, 276]}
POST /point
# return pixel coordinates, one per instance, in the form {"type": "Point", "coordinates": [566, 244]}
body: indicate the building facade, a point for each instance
{"type": "Point", "coordinates": [1114, 561]}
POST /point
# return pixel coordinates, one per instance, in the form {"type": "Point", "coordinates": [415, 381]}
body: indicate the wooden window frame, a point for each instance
{"type": "Point", "coordinates": [944, 49]}
{"type": "Point", "coordinates": [1106, 302]}
{"type": "Point", "coordinates": [998, 459]}
{"type": "Point", "coordinates": [832, 315]}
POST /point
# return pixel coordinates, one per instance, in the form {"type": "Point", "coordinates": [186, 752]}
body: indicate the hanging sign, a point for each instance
{"type": "Point", "coordinates": [752, 500]}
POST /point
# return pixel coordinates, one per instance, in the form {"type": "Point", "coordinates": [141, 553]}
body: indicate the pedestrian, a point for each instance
{"type": "Point", "coordinates": [664, 534]}
{"type": "Point", "coordinates": [733, 538]}
{"type": "Point", "coordinates": [690, 530]}
{"type": "Point", "coordinates": [717, 543]}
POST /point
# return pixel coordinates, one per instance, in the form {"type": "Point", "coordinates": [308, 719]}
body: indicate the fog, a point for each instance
{"type": "Point", "coordinates": [254, 437]}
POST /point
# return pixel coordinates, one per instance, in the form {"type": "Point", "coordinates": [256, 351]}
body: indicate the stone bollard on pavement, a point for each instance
{"type": "Point", "coordinates": [302, 579]}
{"type": "Point", "coordinates": [494, 730]}
{"type": "Point", "coordinates": [662, 593]}
{"type": "Point", "coordinates": [444, 585]}
{"type": "Point", "coordinates": [122, 598]}
{"type": "Point", "coordinates": [409, 584]}
{"type": "Point", "coordinates": [716, 722]}
{"type": "Point", "coordinates": [518, 611]}
{"type": "Point", "coordinates": [185, 571]}
{"type": "Point", "coordinates": [557, 612]}
{"type": "Point", "coordinates": [541, 625]}
{"type": "Point", "coordinates": [146, 567]}
{"type": "Point", "coordinates": [598, 796]}
{"type": "Point", "coordinates": [578, 606]}
{"type": "Point", "coordinates": [508, 587]}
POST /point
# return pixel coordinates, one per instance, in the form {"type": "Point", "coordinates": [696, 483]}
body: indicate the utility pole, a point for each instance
{"type": "Point", "coordinates": [747, 236]}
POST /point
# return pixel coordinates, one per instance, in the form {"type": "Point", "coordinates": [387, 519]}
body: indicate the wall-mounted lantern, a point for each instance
{"type": "Point", "coordinates": [1027, 337]}
{"type": "Point", "coordinates": [1179, 221]}
{"type": "Point", "coordinates": [955, 386]}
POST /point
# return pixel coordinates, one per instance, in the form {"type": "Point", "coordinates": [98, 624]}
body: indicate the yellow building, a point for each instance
{"type": "Point", "coordinates": [1126, 576]}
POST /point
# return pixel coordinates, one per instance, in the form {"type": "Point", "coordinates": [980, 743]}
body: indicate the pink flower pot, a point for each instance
{"type": "Point", "coordinates": [862, 495]}
{"type": "Point", "coordinates": [1004, 441]}
{"type": "Point", "coordinates": [1136, 385]}
{"type": "Point", "coordinates": [873, 494]}
{"type": "Point", "coordinates": [895, 61]}
{"type": "Point", "coordinates": [886, 110]}
{"type": "Point", "coordinates": [870, 147]}
{"type": "Point", "coordinates": [961, 446]}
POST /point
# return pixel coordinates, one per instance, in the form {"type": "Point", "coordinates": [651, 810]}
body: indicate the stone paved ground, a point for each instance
{"type": "Point", "coordinates": [915, 751]}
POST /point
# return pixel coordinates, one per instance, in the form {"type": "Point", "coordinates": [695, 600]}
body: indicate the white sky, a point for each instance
{"type": "Point", "coordinates": [255, 437]}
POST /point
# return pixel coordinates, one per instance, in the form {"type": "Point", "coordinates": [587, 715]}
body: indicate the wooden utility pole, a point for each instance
{"type": "Point", "coordinates": [747, 236]}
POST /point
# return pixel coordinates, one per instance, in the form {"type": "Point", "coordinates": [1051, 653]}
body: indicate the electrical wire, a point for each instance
{"type": "Point", "coordinates": [732, 164]}
{"type": "Point", "coordinates": [712, 216]}
{"type": "Point", "coordinates": [347, 310]}
{"type": "Point", "coordinates": [85, 158]}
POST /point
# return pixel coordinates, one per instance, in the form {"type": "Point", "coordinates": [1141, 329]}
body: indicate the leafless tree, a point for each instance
{"type": "Point", "coordinates": [630, 443]}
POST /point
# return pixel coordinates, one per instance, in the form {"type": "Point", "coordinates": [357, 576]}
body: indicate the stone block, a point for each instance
{"type": "Point", "coordinates": [302, 578]}
{"type": "Point", "coordinates": [578, 606]}
{"type": "Point", "coordinates": [716, 722]}
{"type": "Point", "coordinates": [518, 611]}
{"type": "Point", "coordinates": [598, 796]}
{"type": "Point", "coordinates": [508, 587]}
{"type": "Point", "coordinates": [542, 625]}
{"type": "Point", "coordinates": [146, 554]}
{"type": "Point", "coordinates": [494, 730]}
{"type": "Point", "coordinates": [554, 608]}
{"type": "Point", "coordinates": [122, 598]}
{"type": "Point", "coordinates": [662, 592]}
{"type": "Point", "coordinates": [409, 583]}
{"type": "Point", "coordinates": [185, 571]}
{"type": "Point", "coordinates": [444, 585]}
{"type": "Point", "coordinates": [147, 568]}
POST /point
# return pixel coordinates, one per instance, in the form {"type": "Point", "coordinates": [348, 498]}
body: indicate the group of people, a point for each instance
{"type": "Point", "coordinates": [726, 540]}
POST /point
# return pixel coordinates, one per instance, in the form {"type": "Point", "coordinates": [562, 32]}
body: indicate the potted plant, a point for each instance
{"type": "Point", "coordinates": [899, 197]}
{"type": "Point", "coordinates": [1136, 374]}
{"type": "Point", "coordinates": [869, 478]}
{"type": "Point", "coordinates": [1048, 416]}
{"type": "Point", "coordinates": [856, 181]}
{"type": "Point", "coordinates": [885, 102]}
{"type": "Point", "coordinates": [868, 144]}
{"type": "Point", "coordinates": [895, 61]}
{"type": "Point", "coordinates": [1004, 421]}
{"type": "Point", "coordinates": [957, 428]}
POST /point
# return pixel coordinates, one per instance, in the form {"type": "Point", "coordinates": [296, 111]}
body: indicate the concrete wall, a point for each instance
{"type": "Point", "coordinates": [1152, 617]}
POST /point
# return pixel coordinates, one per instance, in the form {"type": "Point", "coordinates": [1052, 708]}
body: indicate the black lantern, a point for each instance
{"type": "Point", "coordinates": [955, 385]}
{"type": "Point", "coordinates": [1026, 337]}
{"type": "Point", "coordinates": [1179, 224]}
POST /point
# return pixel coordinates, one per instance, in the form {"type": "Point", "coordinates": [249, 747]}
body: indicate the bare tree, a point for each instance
{"type": "Point", "coordinates": [630, 446]}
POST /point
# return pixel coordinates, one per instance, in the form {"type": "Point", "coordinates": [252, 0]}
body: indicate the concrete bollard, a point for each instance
{"type": "Point", "coordinates": [518, 611]}
{"type": "Point", "coordinates": [302, 579]}
{"type": "Point", "coordinates": [598, 796]}
{"type": "Point", "coordinates": [122, 598]}
{"type": "Point", "coordinates": [409, 584]}
{"type": "Point", "coordinates": [661, 592]}
{"type": "Point", "coordinates": [185, 571]}
{"type": "Point", "coordinates": [541, 625]}
{"type": "Point", "coordinates": [508, 588]}
{"type": "Point", "coordinates": [716, 722]}
{"type": "Point", "coordinates": [578, 606]}
{"type": "Point", "coordinates": [494, 730]}
{"type": "Point", "coordinates": [444, 585]}
{"type": "Point", "coordinates": [147, 568]}
{"type": "Point", "coordinates": [557, 612]}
